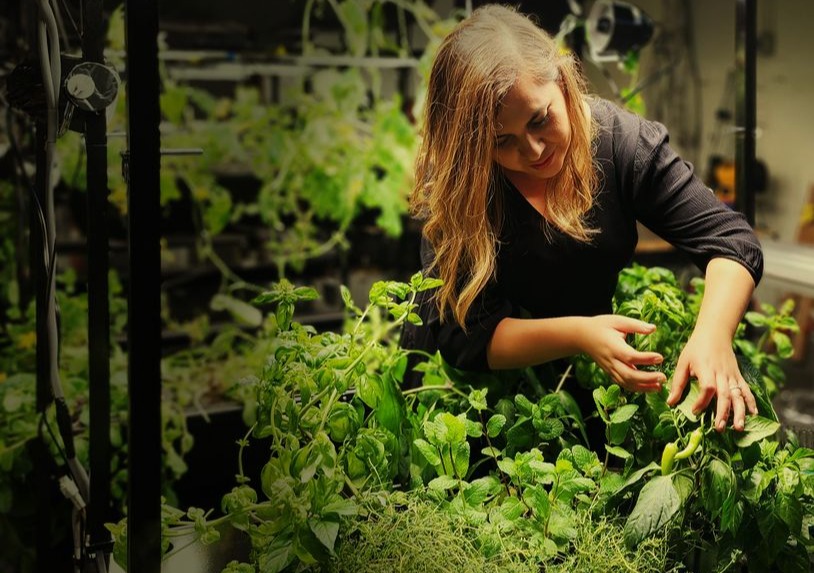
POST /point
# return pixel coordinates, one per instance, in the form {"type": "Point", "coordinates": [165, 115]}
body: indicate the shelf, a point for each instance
{"type": "Point", "coordinates": [790, 264]}
{"type": "Point", "coordinates": [222, 66]}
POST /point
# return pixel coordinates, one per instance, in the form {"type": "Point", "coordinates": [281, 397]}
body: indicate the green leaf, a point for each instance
{"type": "Point", "coordinates": [624, 413]}
{"type": "Point", "coordinates": [718, 485]}
{"type": "Point", "coordinates": [491, 451]}
{"type": "Point", "coordinates": [477, 491]}
{"type": "Point", "coordinates": [790, 509]}
{"type": "Point", "coordinates": [473, 429]}
{"type": "Point", "coordinates": [429, 452]}
{"type": "Point", "coordinates": [460, 458]}
{"type": "Point", "coordinates": [477, 399]}
{"type": "Point", "coordinates": [657, 504]}
{"type": "Point", "coordinates": [618, 452]}
{"type": "Point", "coordinates": [455, 427]}
{"type": "Point", "coordinates": [276, 556]}
{"type": "Point", "coordinates": [495, 424]}
{"type": "Point", "coordinates": [326, 532]}
{"type": "Point", "coordinates": [12, 401]}
{"type": "Point", "coordinates": [783, 344]}
{"type": "Point", "coordinates": [241, 311]}
{"type": "Point", "coordinates": [550, 429]}
{"type": "Point", "coordinates": [430, 283]}
{"type": "Point", "coordinates": [512, 508]}
{"type": "Point", "coordinates": [523, 405]}
{"type": "Point", "coordinates": [755, 429]}
{"type": "Point", "coordinates": [685, 407]}
{"type": "Point", "coordinates": [584, 458]}
{"type": "Point", "coordinates": [618, 432]}
{"type": "Point", "coordinates": [442, 483]}
{"type": "Point", "coordinates": [756, 318]}
{"type": "Point", "coordinates": [343, 507]}
{"type": "Point", "coordinates": [370, 390]}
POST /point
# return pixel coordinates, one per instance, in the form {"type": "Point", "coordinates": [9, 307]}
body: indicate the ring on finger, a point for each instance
{"type": "Point", "coordinates": [735, 389]}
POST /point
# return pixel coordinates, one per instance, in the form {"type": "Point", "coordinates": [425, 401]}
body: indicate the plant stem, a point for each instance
{"type": "Point", "coordinates": [563, 377]}
{"type": "Point", "coordinates": [243, 443]}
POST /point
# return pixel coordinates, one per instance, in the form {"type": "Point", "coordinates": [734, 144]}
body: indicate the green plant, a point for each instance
{"type": "Point", "coordinates": [353, 455]}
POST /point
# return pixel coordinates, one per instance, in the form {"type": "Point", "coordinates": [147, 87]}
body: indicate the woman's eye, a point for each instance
{"type": "Point", "coordinates": [504, 141]}
{"type": "Point", "coordinates": [540, 122]}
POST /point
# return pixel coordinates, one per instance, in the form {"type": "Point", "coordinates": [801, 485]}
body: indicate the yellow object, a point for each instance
{"type": "Point", "coordinates": [27, 341]}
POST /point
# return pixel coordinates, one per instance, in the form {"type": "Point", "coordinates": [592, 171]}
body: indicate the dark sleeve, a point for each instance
{"type": "Point", "coordinates": [463, 350]}
{"type": "Point", "coordinates": [675, 204]}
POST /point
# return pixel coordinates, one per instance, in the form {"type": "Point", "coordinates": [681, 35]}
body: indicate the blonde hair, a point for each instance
{"type": "Point", "coordinates": [457, 189]}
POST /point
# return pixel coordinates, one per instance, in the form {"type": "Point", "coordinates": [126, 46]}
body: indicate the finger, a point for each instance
{"type": "Point", "coordinates": [628, 324]}
{"type": "Point", "coordinates": [645, 358]}
{"type": "Point", "coordinates": [738, 408]}
{"type": "Point", "coordinates": [680, 378]}
{"type": "Point", "coordinates": [725, 395]}
{"type": "Point", "coordinates": [640, 380]}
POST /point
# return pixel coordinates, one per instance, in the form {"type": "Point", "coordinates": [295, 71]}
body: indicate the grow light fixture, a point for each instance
{"type": "Point", "coordinates": [616, 28]}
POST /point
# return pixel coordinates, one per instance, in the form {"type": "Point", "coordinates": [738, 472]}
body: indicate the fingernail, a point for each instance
{"type": "Point", "coordinates": [721, 425]}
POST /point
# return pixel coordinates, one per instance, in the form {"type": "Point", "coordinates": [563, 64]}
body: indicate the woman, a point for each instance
{"type": "Point", "coordinates": [530, 192]}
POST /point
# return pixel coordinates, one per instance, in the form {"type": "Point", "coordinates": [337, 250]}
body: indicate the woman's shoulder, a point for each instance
{"type": "Point", "coordinates": [611, 118]}
{"type": "Point", "coordinates": [624, 132]}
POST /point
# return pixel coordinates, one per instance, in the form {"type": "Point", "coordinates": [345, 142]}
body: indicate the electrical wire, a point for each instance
{"type": "Point", "coordinates": [51, 67]}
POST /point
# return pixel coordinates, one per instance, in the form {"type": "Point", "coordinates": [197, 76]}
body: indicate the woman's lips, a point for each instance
{"type": "Point", "coordinates": [543, 163]}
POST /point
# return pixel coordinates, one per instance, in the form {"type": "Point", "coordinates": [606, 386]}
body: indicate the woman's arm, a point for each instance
{"type": "Point", "coordinates": [520, 342]}
{"type": "Point", "coordinates": [708, 355]}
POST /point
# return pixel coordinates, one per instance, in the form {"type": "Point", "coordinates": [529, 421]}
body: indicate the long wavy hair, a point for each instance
{"type": "Point", "coordinates": [457, 190]}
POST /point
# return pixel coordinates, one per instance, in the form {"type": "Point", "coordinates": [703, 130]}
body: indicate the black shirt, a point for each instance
{"type": "Point", "coordinates": [544, 273]}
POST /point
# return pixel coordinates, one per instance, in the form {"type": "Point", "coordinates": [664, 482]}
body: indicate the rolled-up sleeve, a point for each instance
{"type": "Point", "coordinates": [675, 204]}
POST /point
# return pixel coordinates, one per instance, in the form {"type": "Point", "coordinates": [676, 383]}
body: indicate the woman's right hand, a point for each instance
{"type": "Point", "coordinates": [603, 339]}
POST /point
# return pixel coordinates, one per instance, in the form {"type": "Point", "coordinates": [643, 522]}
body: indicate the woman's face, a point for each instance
{"type": "Point", "coordinates": [533, 130]}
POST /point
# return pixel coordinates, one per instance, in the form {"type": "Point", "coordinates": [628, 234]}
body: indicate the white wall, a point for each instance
{"type": "Point", "coordinates": [785, 92]}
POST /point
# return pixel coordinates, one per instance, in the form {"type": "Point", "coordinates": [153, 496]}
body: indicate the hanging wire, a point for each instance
{"type": "Point", "coordinates": [79, 31]}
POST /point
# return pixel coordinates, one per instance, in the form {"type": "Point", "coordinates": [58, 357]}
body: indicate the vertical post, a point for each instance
{"type": "Point", "coordinates": [745, 106]}
{"type": "Point", "coordinates": [39, 273]}
{"type": "Point", "coordinates": [144, 310]}
{"type": "Point", "coordinates": [93, 41]}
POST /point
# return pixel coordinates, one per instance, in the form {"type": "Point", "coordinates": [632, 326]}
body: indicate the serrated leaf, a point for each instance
{"type": "Point", "coordinates": [550, 429]}
{"type": "Point", "coordinates": [460, 458]}
{"type": "Point", "coordinates": [490, 451]}
{"type": "Point", "coordinates": [429, 452]}
{"type": "Point", "coordinates": [473, 429]}
{"type": "Point", "coordinates": [442, 483]}
{"type": "Point", "coordinates": [477, 399]}
{"type": "Point", "coordinates": [624, 413]}
{"type": "Point", "coordinates": [476, 492]}
{"type": "Point", "coordinates": [512, 508]}
{"type": "Point", "coordinates": [495, 424]}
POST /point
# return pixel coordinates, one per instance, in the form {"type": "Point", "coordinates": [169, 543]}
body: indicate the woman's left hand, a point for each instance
{"type": "Point", "coordinates": [713, 363]}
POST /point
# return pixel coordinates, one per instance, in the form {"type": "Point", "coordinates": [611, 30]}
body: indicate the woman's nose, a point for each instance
{"type": "Point", "coordinates": [533, 147]}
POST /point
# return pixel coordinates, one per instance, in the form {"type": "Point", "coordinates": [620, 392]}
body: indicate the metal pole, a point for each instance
{"type": "Point", "coordinates": [39, 272]}
{"type": "Point", "coordinates": [93, 41]}
{"type": "Point", "coordinates": [745, 106]}
{"type": "Point", "coordinates": [144, 310]}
